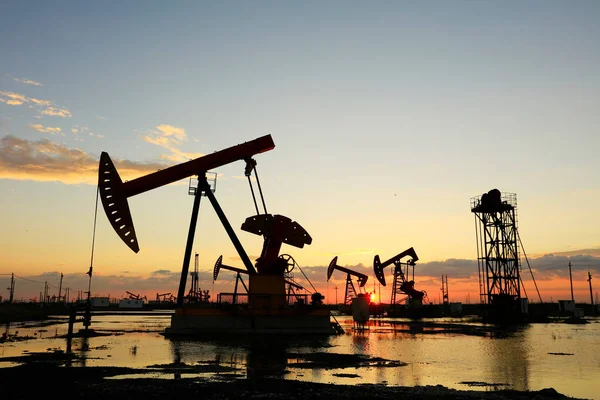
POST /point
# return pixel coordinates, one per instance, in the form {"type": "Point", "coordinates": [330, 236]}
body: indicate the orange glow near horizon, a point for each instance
{"type": "Point", "coordinates": [463, 290]}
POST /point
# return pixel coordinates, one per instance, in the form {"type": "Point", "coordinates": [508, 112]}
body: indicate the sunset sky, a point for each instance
{"type": "Point", "coordinates": [387, 118]}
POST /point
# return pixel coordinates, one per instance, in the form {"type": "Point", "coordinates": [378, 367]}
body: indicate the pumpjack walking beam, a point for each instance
{"type": "Point", "coordinates": [114, 193]}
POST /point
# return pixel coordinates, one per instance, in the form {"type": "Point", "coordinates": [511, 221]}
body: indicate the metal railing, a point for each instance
{"type": "Point", "coordinates": [243, 298]}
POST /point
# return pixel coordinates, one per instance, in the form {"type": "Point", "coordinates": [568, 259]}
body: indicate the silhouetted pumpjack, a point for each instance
{"type": "Point", "coordinates": [350, 290]}
{"type": "Point", "coordinates": [400, 282]}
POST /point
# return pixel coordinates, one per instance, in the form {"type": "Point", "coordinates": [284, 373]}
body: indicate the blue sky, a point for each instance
{"type": "Point", "coordinates": [387, 117]}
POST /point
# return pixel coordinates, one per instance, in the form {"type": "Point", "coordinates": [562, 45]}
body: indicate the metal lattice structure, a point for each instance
{"type": "Point", "coordinates": [350, 291]}
{"type": "Point", "coordinates": [397, 294]}
{"type": "Point", "coordinates": [445, 299]}
{"type": "Point", "coordinates": [497, 247]}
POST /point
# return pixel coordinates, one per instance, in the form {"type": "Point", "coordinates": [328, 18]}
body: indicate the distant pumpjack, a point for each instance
{"type": "Point", "coordinates": [401, 284]}
{"type": "Point", "coordinates": [350, 290]}
{"type": "Point", "coordinates": [238, 279]}
{"type": "Point", "coordinates": [196, 294]}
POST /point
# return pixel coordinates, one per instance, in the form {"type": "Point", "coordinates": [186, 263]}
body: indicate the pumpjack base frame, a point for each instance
{"type": "Point", "coordinates": [237, 320]}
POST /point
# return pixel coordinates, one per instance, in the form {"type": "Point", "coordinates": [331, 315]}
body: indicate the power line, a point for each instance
{"type": "Point", "coordinates": [38, 282]}
{"type": "Point", "coordinates": [560, 267]}
{"type": "Point", "coordinates": [530, 270]}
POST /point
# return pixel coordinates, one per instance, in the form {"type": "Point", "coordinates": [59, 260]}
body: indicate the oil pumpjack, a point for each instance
{"type": "Point", "coordinates": [237, 297]}
{"type": "Point", "coordinates": [355, 303]}
{"type": "Point", "coordinates": [350, 291]}
{"type": "Point", "coordinates": [401, 284]}
{"type": "Point", "coordinates": [266, 310]}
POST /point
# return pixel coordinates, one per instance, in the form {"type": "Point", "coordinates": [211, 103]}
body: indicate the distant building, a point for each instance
{"type": "Point", "coordinates": [131, 303]}
{"type": "Point", "coordinates": [99, 301]}
{"type": "Point", "coordinates": [456, 309]}
{"type": "Point", "coordinates": [566, 305]}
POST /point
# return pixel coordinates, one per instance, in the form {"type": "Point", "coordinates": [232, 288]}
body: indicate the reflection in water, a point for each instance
{"type": "Point", "coordinates": [360, 343]}
{"type": "Point", "coordinates": [84, 348]}
{"type": "Point", "coordinates": [260, 358]}
{"type": "Point", "coordinates": [509, 351]}
{"type": "Point", "coordinates": [176, 350]}
{"type": "Point", "coordinates": [449, 352]}
{"type": "Point", "coordinates": [266, 359]}
{"type": "Point", "coordinates": [82, 345]}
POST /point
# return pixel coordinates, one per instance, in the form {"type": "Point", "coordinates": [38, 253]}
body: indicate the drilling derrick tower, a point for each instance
{"type": "Point", "coordinates": [498, 253]}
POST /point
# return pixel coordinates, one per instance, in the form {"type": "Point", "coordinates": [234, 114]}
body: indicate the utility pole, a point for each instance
{"type": "Point", "coordinates": [45, 291]}
{"type": "Point", "coordinates": [60, 287]}
{"type": "Point", "coordinates": [11, 289]}
{"type": "Point", "coordinates": [571, 279]}
{"type": "Point", "coordinates": [590, 281]}
{"type": "Point", "coordinates": [336, 288]}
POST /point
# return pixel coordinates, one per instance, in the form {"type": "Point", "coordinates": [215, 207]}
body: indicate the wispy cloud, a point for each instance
{"type": "Point", "coordinates": [27, 81]}
{"type": "Point", "coordinates": [46, 106]}
{"type": "Point", "coordinates": [582, 252]}
{"type": "Point", "coordinates": [46, 161]}
{"type": "Point", "coordinates": [57, 112]}
{"type": "Point", "coordinates": [12, 98]}
{"type": "Point", "coordinates": [162, 272]}
{"type": "Point", "coordinates": [44, 103]}
{"type": "Point", "coordinates": [46, 129]}
{"type": "Point", "coordinates": [170, 138]}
